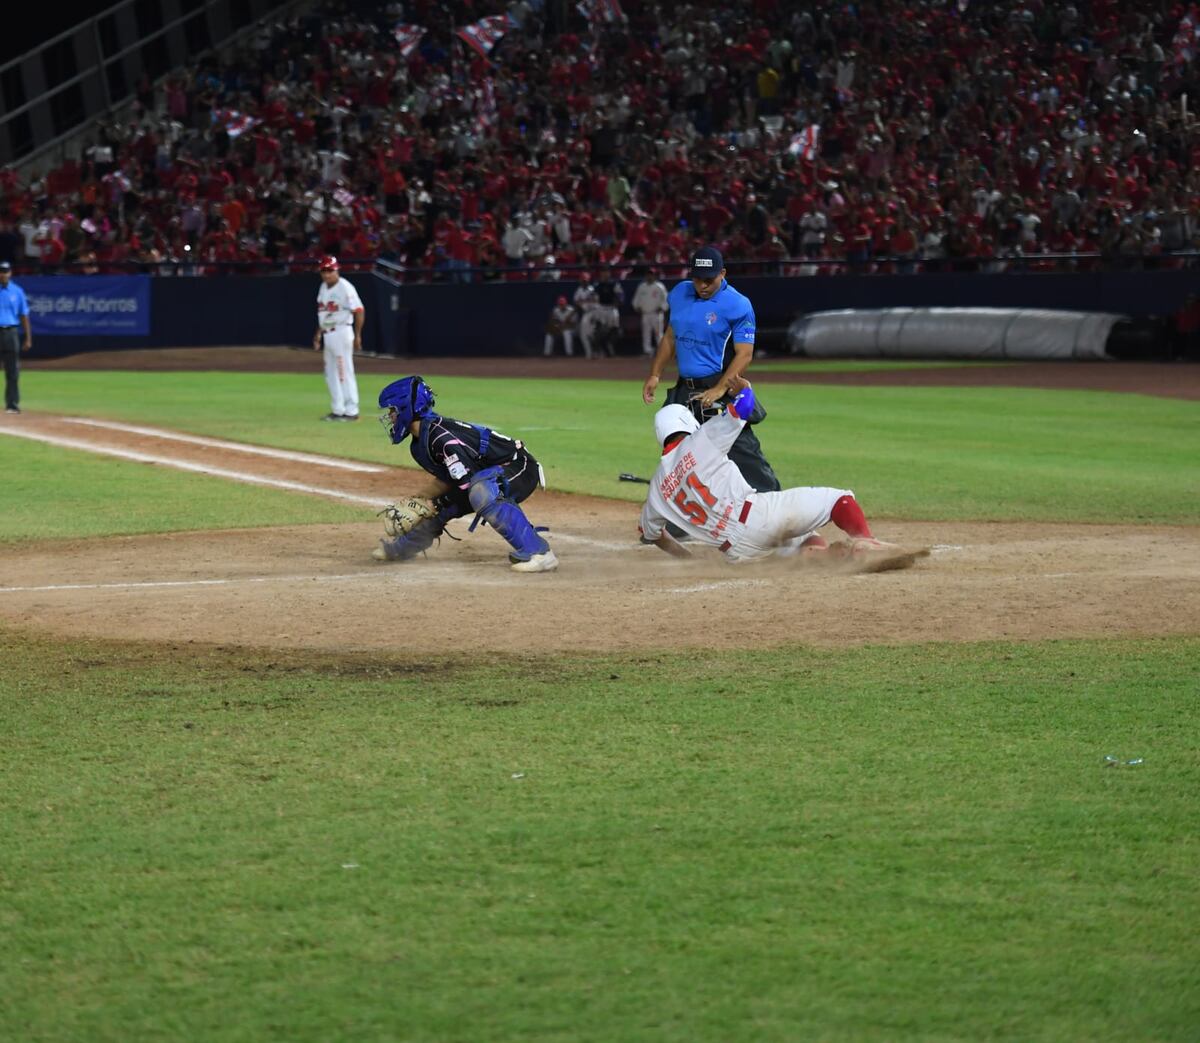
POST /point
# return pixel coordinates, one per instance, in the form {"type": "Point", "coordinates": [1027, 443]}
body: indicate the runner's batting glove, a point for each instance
{"type": "Point", "coordinates": [743, 404]}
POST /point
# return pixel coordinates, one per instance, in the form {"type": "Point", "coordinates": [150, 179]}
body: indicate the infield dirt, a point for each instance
{"type": "Point", "coordinates": [316, 586]}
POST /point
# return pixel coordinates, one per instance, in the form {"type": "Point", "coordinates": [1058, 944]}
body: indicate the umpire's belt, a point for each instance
{"type": "Point", "coordinates": [746, 505]}
{"type": "Point", "coordinates": [700, 383]}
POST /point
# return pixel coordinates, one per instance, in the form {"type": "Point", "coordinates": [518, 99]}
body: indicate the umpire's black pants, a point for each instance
{"type": "Point", "coordinates": [10, 349]}
{"type": "Point", "coordinates": [746, 452]}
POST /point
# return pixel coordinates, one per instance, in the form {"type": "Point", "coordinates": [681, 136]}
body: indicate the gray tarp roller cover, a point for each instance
{"type": "Point", "coordinates": [959, 333]}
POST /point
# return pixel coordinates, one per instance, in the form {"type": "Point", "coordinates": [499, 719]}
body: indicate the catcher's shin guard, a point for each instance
{"type": "Point", "coordinates": [504, 516]}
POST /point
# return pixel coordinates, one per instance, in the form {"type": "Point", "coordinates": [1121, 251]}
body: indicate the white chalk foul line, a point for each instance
{"type": "Point", "coordinates": [720, 584]}
{"type": "Point", "coordinates": [566, 537]}
{"type": "Point", "coordinates": [390, 574]}
{"type": "Point", "coordinates": [149, 584]}
{"type": "Point", "coordinates": [183, 465]}
{"type": "Point", "coordinates": [236, 447]}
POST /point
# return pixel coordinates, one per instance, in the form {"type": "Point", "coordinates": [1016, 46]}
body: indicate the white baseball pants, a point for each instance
{"type": "Point", "coordinates": [775, 518]}
{"type": "Point", "coordinates": [568, 337]}
{"type": "Point", "coordinates": [652, 331]}
{"type": "Point", "coordinates": [339, 370]}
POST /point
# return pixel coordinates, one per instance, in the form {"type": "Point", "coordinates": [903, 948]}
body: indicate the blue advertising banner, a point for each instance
{"type": "Point", "coordinates": [88, 305]}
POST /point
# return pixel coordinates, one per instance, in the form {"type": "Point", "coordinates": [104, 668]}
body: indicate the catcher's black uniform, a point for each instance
{"type": "Point", "coordinates": [456, 452]}
{"type": "Point", "coordinates": [488, 473]}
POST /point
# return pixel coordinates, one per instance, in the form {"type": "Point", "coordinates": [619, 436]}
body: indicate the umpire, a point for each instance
{"type": "Point", "coordinates": [14, 314]}
{"type": "Point", "coordinates": [706, 314]}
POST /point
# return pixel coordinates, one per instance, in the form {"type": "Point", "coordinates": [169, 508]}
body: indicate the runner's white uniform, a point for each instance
{"type": "Point", "coordinates": [336, 306]}
{"type": "Point", "coordinates": [698, 488]}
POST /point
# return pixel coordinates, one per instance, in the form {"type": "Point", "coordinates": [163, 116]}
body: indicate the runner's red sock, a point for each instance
{"type": "Point", "coordinates": [848, 516]}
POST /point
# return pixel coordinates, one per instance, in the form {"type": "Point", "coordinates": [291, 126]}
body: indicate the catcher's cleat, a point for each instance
{"type": "Point", "coordinates": [544, 562]}
{"type": "Point", "coordinates": [396, 550]}
{"type": "Point", "coordinates": [383, 552]}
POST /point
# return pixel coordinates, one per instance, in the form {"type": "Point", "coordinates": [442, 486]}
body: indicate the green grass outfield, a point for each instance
{"type": "Point", "coordinates": [875, 844]}
{"type": "Point", "coordinates": [914, 453]}
{"type": "Point", "coordinates": [882, 843]}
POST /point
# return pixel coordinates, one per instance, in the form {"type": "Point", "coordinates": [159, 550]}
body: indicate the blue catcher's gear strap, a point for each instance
{"type": "Point", "coordinates": [485, 439]}
{"type": "Point", "coordinates": [493, 476]}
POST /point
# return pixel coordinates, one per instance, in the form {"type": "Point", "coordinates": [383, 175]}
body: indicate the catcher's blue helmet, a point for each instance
{"type": "Point", "coordinates": [405, 400]}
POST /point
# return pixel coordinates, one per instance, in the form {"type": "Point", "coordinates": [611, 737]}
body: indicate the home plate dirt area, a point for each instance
{"type": "Point", "coordinates": [317, 587]}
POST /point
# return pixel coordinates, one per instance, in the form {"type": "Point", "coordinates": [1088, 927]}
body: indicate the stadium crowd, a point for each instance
{"type": "Point", "coordinates": [917, 135]}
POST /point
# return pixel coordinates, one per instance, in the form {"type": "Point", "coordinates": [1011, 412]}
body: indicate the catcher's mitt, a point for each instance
{"type": "Point", "coordinates": [400, 519]}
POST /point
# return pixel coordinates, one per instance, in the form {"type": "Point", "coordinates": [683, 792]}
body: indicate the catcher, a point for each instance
{"type": "Point", "coordinates": [474, 469]}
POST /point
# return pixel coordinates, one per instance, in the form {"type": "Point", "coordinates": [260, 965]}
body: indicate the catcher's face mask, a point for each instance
{"type": "Point", "coordinates": [404, 401]}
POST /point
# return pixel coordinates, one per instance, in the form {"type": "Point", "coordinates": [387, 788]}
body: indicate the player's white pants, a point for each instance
{"type": "Point", "coordinates": [339, 371]}
{"type": "Point", "coordinates": [568, 337]}
{"type": "Point", "coordinates": [652, 331]}
{"type": "Point", "coordinates": [776, 518]}
{"type": "Point", "coordinates": [592, 320]}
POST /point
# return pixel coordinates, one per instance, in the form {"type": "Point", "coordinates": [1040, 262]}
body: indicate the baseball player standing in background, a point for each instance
{"type": "Point", "coordinates": [698, 489]}
{"type": "Point", "coordinates": [562, 322]}
{"type": "Point", "coordinates": [706, 314]}
{"type": "Point", "coordinates": [340, 317]}
{"type": "Point", "coordinates": [14, 314]}
{"type": "Point", "coordinates": [584, 299]}
{"type": "Point", "coordinates": [650, 301]}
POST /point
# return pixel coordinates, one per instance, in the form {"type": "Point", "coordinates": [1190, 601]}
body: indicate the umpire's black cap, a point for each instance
{"type": "Point", "coordinates": [707, 263]}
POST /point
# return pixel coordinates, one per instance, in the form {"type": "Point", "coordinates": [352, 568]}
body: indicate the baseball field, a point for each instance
{"type": "Point", "coordinates": [260, 787]}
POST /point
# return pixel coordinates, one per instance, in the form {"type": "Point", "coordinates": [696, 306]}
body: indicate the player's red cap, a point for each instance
{"type": "Point", "coordinates": [329, 264]}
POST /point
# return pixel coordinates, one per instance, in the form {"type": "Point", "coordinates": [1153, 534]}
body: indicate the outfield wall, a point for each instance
{"type": "Point", "coordinates": [507, 318]}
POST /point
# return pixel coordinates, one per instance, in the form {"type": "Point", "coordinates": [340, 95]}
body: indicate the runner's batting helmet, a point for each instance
{"type": "Point", "coordinates": [674, 419]}
{"type": "Point", "coordinates": [329, 264]}
{"type": "Point", "coordinates": [405, 400]}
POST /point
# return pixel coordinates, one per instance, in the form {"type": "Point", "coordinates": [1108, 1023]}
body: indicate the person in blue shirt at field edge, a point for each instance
{"type": "Point", "coordinates": [706, 314]}
{"type": "Point", "coordinates": [14, 316]}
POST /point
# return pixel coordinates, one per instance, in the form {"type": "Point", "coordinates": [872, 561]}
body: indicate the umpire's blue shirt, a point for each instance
{"type": "Point", "coordinates": [12, 305]}
{"type": "Point", "coordinates": [703, 328]}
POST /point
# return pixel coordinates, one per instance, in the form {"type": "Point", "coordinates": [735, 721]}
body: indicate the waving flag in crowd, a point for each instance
{"type": "Point", "coordinates": [807, 142]}
{"type": "Point", "coordinates": [482, 35]}
{"type": "Point", "coordinates": [407, 38]}
{"type": "Point", "coordinates": [235, 122]}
